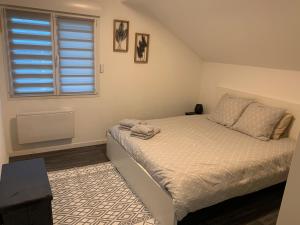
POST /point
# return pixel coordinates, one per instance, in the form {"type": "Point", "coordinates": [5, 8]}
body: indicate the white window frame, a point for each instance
{"type": "Point", "coordinates": [55, 52]}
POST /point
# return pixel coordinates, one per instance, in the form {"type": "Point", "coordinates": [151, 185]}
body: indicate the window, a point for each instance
{"type": "Point", "coordinates": [50, 54]}
{"type": "Point", "coordinates": [76, 57]}
{"type": "Point", "coordinates": [30, 52]}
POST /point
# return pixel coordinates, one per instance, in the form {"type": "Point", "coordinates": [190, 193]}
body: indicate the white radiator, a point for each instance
{"type": "Point", "coordinates": [45, 126]}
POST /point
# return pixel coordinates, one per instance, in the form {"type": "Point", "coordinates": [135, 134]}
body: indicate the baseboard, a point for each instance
{"type": "Point", "coordinates": [56, 148]}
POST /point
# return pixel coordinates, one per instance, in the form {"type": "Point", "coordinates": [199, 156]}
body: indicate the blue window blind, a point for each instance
{"type": "Point", "coordinates": [76, 55]}
{"type": "Point", "coordinates": [30, 51]}
{"type": "Point", "coordinates": [33, 52]}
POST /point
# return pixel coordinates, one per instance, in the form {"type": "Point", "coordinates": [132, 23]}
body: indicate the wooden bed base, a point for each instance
{"type": "Point", "coordinates": [157, 200]}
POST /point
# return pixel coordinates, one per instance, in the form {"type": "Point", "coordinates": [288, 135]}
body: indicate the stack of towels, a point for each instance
{"type": "Point", "coordinates": [127, 124]}
{"type": "Point", "coordinates": [139, 129]}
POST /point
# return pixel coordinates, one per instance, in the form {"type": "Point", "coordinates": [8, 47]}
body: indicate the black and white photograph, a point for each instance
{"type": "Point", "coordinates": [141, 53]}
{"type": "Point", "coordinates": [120, 35]}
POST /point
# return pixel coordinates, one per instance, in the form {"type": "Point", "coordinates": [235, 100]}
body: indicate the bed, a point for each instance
{"type": "Point", "coordinates": [195, 163]}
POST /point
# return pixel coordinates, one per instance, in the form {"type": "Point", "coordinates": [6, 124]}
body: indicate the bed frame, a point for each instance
{"type": "Point", "coordinates": [156, 199]}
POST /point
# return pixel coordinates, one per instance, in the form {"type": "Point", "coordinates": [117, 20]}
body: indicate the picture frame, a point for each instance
{"type": "Point", "coordinates": [141, 53]}
{"type": "Point", "coordinates": [120, 35]}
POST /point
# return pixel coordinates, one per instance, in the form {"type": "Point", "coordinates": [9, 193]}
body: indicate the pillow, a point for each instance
{"type": "Point", "coordinates": [259, 121]}
{"type": "Point", "coordinates": [282, 126]}
{"type": "Point", "coordinates": [229, 109]}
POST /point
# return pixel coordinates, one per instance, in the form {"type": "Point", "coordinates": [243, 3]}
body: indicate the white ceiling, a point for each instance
{"type": "Point", "coordinates": [247, 32]}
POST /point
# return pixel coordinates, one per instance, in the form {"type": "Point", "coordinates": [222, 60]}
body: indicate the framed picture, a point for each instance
{"type": "Point", "coordinates": [120, 36]}
{"type": "Point", "coordinates": [141, 52]}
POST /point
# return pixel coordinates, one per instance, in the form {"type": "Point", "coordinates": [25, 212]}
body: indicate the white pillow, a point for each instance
{"type": "Point", "coordinates": [282, 127]}
{"type": "Point", "coordinates": [259, 121]}
{"type": "Point", "coordinates": [229, 109]}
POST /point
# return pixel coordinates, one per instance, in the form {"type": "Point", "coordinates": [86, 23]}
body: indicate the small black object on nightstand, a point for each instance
{"type": "Point", "coordinates": [190, 113]}
{"type": "Point", "coordinates": [25, 194]}
{"type": "Point", "coordinates": [198, 110]}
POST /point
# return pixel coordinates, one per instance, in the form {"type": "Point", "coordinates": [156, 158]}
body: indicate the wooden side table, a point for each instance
{"type": "Point", "coordinates": [25, 194]}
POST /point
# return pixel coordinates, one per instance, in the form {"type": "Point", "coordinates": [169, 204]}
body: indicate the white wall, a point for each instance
{"type": "Point", "coordinates": [166, 86]}
{"type": "Point", "coordinates": [278, 84]}
{"type": "Point", "coordinates": [3, 150]}
{"type": "Point", "coordinates": [240, 32]}
{"type": "Point", "coordinates": [289, 211]}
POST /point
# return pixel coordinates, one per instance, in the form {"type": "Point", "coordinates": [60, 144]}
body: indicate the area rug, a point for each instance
{"type": "Point", "coordinates": [95, 195]}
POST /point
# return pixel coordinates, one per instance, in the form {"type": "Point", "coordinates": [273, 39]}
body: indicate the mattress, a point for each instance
{"type": "Point", "coordinates": [201, 163]}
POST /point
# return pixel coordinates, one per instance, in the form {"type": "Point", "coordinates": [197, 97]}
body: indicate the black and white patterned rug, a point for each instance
{"type": "Point", "coordinates": [95, 195]}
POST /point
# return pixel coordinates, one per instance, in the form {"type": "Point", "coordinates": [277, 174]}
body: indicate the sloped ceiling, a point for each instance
{"type": "Point", "coordinates": [248, 32]}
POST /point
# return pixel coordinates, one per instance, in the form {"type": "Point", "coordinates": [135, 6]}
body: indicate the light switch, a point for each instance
{"type": "Point", "coordinates": [101, 68]}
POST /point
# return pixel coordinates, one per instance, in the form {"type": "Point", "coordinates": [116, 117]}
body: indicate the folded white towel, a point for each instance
{"type": "Point", "coordinates": [129, 123]}
{"type": "Point", "coordinates": [141, 136]}
{"type": "Point", "coordinates": [121, 127]}
{"type": "Point", "coordinates": [144, 131]}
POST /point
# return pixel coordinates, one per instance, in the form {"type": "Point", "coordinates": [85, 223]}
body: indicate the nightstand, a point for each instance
{"type": "Point", "coordinates": [198, 110]}
{"type": "Point", "coordinates": [190, 113]}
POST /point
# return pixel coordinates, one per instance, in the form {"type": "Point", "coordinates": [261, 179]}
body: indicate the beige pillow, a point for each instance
{"type": "Point", "coordinates": [282, 126]}
{"type": "Point", "coordinates": [259, 121]}
{"type": "Point", "coordinates": [229, 109]}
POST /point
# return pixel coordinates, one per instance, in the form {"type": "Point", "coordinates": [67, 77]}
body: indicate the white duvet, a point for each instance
{"type": "Point", "coordinates": [201, 163]}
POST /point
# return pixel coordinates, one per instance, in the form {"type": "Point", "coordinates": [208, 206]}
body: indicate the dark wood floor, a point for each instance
{"type": "Point", "coordinates": [70, 158]}
{"type": "Point", "coordinates": [260, 208]}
